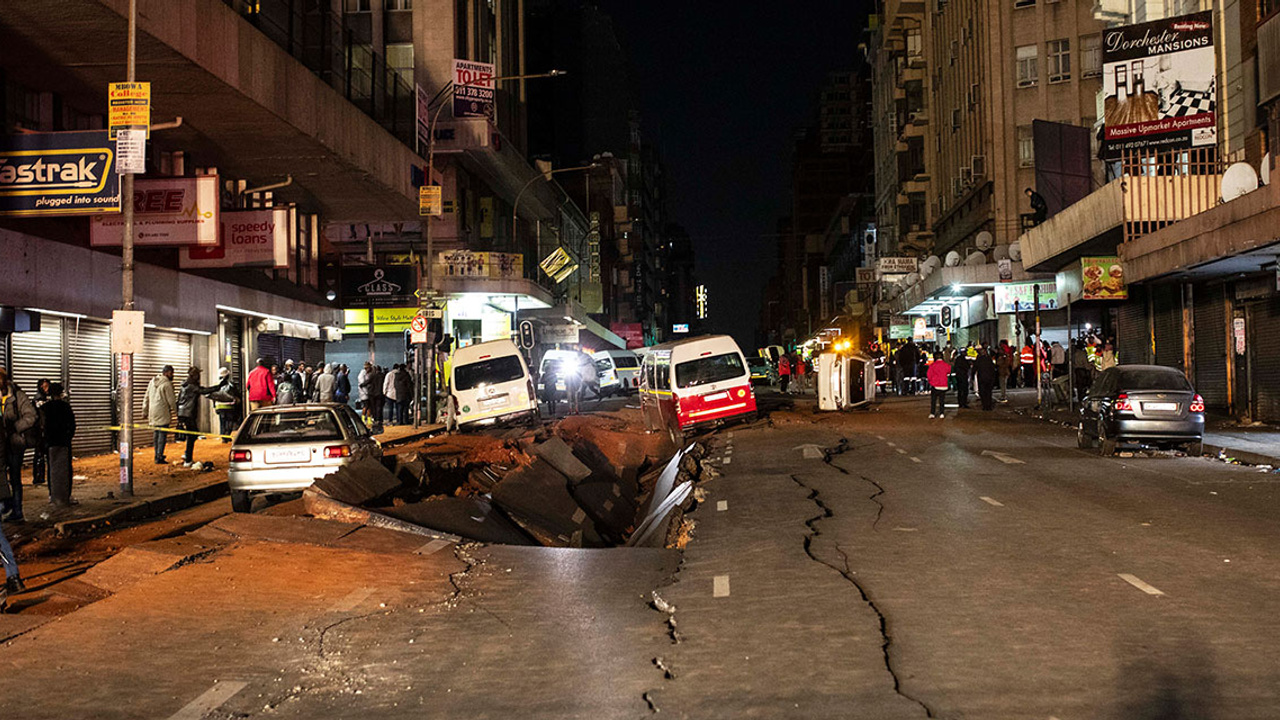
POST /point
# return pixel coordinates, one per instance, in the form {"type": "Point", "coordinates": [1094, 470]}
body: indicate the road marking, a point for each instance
{"type": "Point", "coordinates": [210, 700]}
{"type": "Point", "coordinates": [432, 547]}
{"type": "Point", "coordinates": [879, 437]}
{"type": "Point", "coordinates": [915, 459]}
{"type": "Point", "coordinates": [720, 586]}
{"type": "Point", "coordinates": [727, 461]}
{"type": "Point", "coordinates": [353, 598]}
{"type": "Point", "coordinates": [1134, 581]}
{"type": "Point", "coordinates": [728, 450]}
{"type": "Point", "coordinates": [901, 451]}
{"type": "Point", "coordinates": [730, 436]}
{"type": "Point", "coordinates": [810, 451]}
{"type": "Point", "coordinates": [722, 505]}
{"type": "Point", "coordinates": [991, 501]}
{"type": "Point", "coordinates": [891, 444]}
{"type": "Point", "coordinates": [1002, 457]}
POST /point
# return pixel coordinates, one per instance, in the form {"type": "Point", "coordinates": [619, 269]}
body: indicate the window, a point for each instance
{"type": "Point", "coordinates": [493, 371]}
{"type": "Point", "coordinates": [709, 370]}
{"type": "Point", "coordinates": [1028, 66]}
{"type": "Point", "coordinates": [1026, 147]}
{"type": "Point", "coordinates": [359, 5]}
{"type": "Point", "coordinates": [399, 4]}
{"type": "Point", "coordinates": [1091, 56]}
{"type": "Point", "coordinates": [1059, 52]}
{"type": "Point", "coordinates": [298, 426]}
{"type": "Point", "coordinates": [400, 57]}
{"type": "Point", "coordinates": [1024, 3]}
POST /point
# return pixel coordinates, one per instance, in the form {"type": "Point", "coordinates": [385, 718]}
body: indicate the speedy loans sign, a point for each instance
{"type": "Point", "coordinates": [167, 211]}
{"type": "Point", "coordinates": [251, 238]}
{"type": "Point", "coordinates": [65, 173]}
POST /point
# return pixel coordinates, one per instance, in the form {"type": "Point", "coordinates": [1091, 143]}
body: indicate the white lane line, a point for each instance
{"type": "Point", "coordinates": [722, 505]}
{"type": "Point", "coordinates": [730, 436]}
{"type": "Point", "coordinates": [353, 598]}
{"type": "Point", "coordinates": [892, 444]}
{"type": "Point", "coordinates": [1003, 457]}
{"type": "Point", "coordinates": [915, 459]}
{"type": "Point", "coordinates": [1134, 581]}
{"type": "Point", "coordinates": [991, 501]}
{"type": "Point", "coordinates": [210, 700]}
{"type": "Point", "coordinates": [901, 451]}
{"type": "Point", "coordinates": [879, 437]}
{"type": "Point", "coordinates": [726, 461]}
{"type": "Point", "coordinates": [728, 450]}
{"type": "Point", "coordinates": [720, 586]}
{"type": "Point", "coordinates": [432, 547]}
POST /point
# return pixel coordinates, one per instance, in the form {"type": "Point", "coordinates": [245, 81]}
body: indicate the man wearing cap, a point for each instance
{"type": "Point", "coordinates": [226, 402]}
{"type": "Point", "coordinates": [17, 417]}
{"type": "Point", "coordinates": [159, 405]}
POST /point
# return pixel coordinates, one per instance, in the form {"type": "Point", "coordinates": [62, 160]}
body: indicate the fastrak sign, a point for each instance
{"type": "Point", "coordinates": [63, 173]}
{"type": "Point", "coordinates": [249, 238]}
{"type": "Point", "coordinates": [167, 211]}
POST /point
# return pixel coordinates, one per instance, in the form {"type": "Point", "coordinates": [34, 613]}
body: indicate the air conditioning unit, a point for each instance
{"type": "Point", "coordinates": [1026, 83]}
{"type": "Point", "coordinates": [1060, 78]}
{"type": "Point", "coordinates": [979, 165]}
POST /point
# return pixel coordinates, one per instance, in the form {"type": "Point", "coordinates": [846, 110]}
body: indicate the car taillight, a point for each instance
{"type": "Point", "coordinates": [1123, 404]}
{"type": "Point", "coordinates": [337, 451]}
{"type": "Point", "coordinates": [241, 455]}
{"type": "Point", "coordinates": [1197, 404]}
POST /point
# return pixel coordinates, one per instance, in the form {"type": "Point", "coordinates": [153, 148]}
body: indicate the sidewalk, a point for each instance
{"type": "Point", "coordinates": [1254, 444]}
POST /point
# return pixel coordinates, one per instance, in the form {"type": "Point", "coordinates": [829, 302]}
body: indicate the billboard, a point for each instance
{"type": "Point", "coordinates": [64, 173]}
{"type": "Point", "coordinates": [1158, 85]}
{"type": "Point", "coordinates": [467, 263]}
{"type": "Point", "coordinates": [472, 89]}
{"type": "Point", "coordinates": [1020, 297]}
{"type": "Point", "coordinates": [247, 238]}
{"type": "Point", "coordinates": [386, 286]}
{"type": "Point", "coordinates": [1103, 278]}
{"type": "Point", "coordinates": [633, 333]}
{"type": "Point", "coordinates": [897, 265]}
{"type": "Point", "coordinates": [167, 211]}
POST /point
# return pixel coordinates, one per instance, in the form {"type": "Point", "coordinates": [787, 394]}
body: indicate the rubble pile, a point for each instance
{"type": "Point", "coordinates": [590, 482]}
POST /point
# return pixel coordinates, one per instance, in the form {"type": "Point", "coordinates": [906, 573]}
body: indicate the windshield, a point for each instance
{"type": "Point", "coordinates": [488, 372]}
{"type": "Point", "coordinates": [282, 427]}
{"type": "Point", "coordinates": [708, 370]}
{"type": "Point", "coordinates": [758, 363]}
{"type": "Point", "coordinates": [625, 361]}
{"type": "Point", "coordinates": [1153, 379]}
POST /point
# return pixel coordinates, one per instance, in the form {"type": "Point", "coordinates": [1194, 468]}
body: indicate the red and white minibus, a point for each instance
{"type": "Point", "coordinates": [695, 383]}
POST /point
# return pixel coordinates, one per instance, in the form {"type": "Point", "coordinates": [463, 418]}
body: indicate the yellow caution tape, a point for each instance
{"type": "Point", "coordinates": [175, 431]}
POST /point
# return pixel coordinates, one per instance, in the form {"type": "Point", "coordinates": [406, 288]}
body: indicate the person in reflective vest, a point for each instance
{"type": "Point", "coordinates": [1027, 357]}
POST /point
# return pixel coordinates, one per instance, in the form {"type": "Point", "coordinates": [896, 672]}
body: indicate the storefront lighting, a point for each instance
{"type": "Point", "coordinates": [56, 313]}
{"type": "Point", "coordinates": [265, 316]}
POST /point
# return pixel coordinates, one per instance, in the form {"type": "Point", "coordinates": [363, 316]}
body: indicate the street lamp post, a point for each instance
{"type": "Point", "coordinates": [426, 277]}
{"type": "Point", "coordinates": [515, 206]}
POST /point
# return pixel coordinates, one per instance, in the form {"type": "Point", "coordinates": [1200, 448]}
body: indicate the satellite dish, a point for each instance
{"type": "Point", "coordinates": [984, 240]}
{"type": "Point", "coordinates": [1239, 179]}
{"type": "Point", "coordinates": [1001, 252]}
{"type": "Point", "coordinates": [933, 261]}
{"type": "Point", "coordinates": [913, 278]}
{"type": "Point", "coordinates": [1266, 169]}
{"type": "Point", "coordinates": [926, 270]}
{"type": "Point", "coordinates": [975, 258]}
{"type": "Point", "coordinates": [953, 259]}
{"type": "Point", "coordinates": [1015, 251]}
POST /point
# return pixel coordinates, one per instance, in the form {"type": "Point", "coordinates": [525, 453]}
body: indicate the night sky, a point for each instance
{"type": "Point", "coordinates": [723, 88]}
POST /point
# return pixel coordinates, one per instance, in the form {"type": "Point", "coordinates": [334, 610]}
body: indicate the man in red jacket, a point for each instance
{"type": "Point", "coordinates": [261, 386]}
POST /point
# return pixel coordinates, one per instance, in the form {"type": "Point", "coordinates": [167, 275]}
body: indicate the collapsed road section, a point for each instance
{"type": "Point", "coordinates": [585, 482]}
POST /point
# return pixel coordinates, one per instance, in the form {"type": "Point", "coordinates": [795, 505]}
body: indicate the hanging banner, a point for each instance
{"type": "Point", "coordinates": [559, 265]}
{"type": "Point", "coordinates": [1158, 85]}
{"type": "Point", "coordinates": [466, 263]}
{"type": "Point", "coordinates": [1020, 297]}
{"type": "Point", "coordinates": [247, 238]}
{"type": "Point", "coordinates": [167, 211]}
{"type": "Point", "coordinates": [64, 173]}
{"type": "Point", "coordinates": [897, 265]}
{"type": "Point", "coordinates": [473, 89]}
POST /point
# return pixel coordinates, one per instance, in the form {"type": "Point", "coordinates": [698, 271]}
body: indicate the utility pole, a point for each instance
{"type": "Point", "coordinates": [1036, 354]}
{"type": "Point", "coordinates": [126, 282]}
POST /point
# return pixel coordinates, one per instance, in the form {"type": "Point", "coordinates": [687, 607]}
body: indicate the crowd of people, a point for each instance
{"type": "Point", "coordinates": [982, 370]}
{"type": "Point", "coordinates": [794, 374]}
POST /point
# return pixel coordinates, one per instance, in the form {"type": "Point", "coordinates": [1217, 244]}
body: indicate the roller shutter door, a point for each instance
{"type": "Point", "coordinates": [1264, 356]}
{"type": "Point", "coordinates": [159, 348]}
{"type": "Point", "coordinates": [313, 351]}
{"type": "Point", "coordinates": [4, 350]}
{"type": "Point", "coordinates": [37, 356]}
{"type": "Point", "coordinates": [231, 354]}
{"type": "Point", "coordinates": [292, 349]}
{"type": "Point", "coordinates": [1211, 345]}
{"type": "Point", "coordinates": [269, 349]}
{"type": "Point", "coordinates": [90, 384]}
{"type": "Point", "coordinates": [1133, 340]}
{"type": "Point", "coordinates": [1166, 321]}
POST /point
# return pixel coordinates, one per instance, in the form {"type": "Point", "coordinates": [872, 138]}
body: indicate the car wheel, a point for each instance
{"type": "Point", "coordinates": [241, 501]}
{"type": "Point", "coordinates": [1195, 449]}
{"type": "Point", "coordinates": [1083, 439]}
{"type": "Point", "coordinates": [1106, 445]}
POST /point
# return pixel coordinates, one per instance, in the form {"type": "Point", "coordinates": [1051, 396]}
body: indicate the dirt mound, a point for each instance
{"type": "Point", "coordinates": [458, 450]}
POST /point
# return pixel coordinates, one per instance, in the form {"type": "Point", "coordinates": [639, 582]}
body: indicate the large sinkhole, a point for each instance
{"type": "Point", "coordinates": [587, 481]}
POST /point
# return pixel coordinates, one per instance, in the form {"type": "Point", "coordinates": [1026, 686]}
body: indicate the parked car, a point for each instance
{"type": "Point", "coordinates": [285, 448]}
{"type": "Point", "coordinates": [618, 371]}
{"type": "Point", "coordinates": [1149, 404]}
{"type": "Point", "coordinates": [491, 384]}
{"type": "Point", "coordinates": [565, 361]}
{"type": "Point", "coordinates": [695, 383]}
{"type": "Point", "coordinates": [762, 371]}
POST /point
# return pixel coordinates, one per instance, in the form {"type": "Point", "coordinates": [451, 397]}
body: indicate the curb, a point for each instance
{"type": "Point", "coordinates": [1244, 456]}
{"type": "Point", "coordinates": [144, 509]}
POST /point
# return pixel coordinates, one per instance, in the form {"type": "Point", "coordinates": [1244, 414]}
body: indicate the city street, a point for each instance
{"type": "Point", "coordinates": [867, 564]}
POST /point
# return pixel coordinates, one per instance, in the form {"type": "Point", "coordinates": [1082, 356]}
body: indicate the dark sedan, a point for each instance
{"type": "Point", "coordinates": [1148, 404]}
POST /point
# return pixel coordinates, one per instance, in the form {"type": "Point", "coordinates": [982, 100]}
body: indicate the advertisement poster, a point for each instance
{"type": "Point", "coordinates": [378, 286]}
{"type": "Point", "coordinates": [473, 89]}
{"type": "Point", "coordinates": [897, 265]}
{"type": "Point", "coordinates": [249, 238]}
{"type": "Point", "coordinates": [1158, 85]}
{"type": "Point", "coordinates": [65, 173]}
{"type": "Point", "coordinates": [559, 265]}
{"type": "Point", "coordinates": [466, 263]}
{"type": "Point", "coordinates": [1103, 278]}
{"type": "Point", "coordinates": [633, 333]}
{"type": "Point", "coordinates": [167, 211]}
{"type": "Point", "coordinates": [1020, 297]}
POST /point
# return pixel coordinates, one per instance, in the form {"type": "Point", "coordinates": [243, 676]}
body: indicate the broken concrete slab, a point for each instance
{"type": "Point", "coordinates": [327, 508]}
{"type": "Point", "coordinates": [665, 482]}
{"type": "Point", "coordinates": [537, 496]}
{"type": "Point", "coordinates": [560, 456]}
{"type": "Point", "coordinates": [473, 518]}
{"type": "Point", "coordinates": [655, 527]}
{"type": "Point", "coordinates": [612, 511]}
{"type": "Point", "coordinates": [138, 562]}
{"type": "Point", "coordinates": [309, 531]}
{"type": "Point", "coordinates": [409, 469]}
{"type": "Point", "coordinates": [358, 483]}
